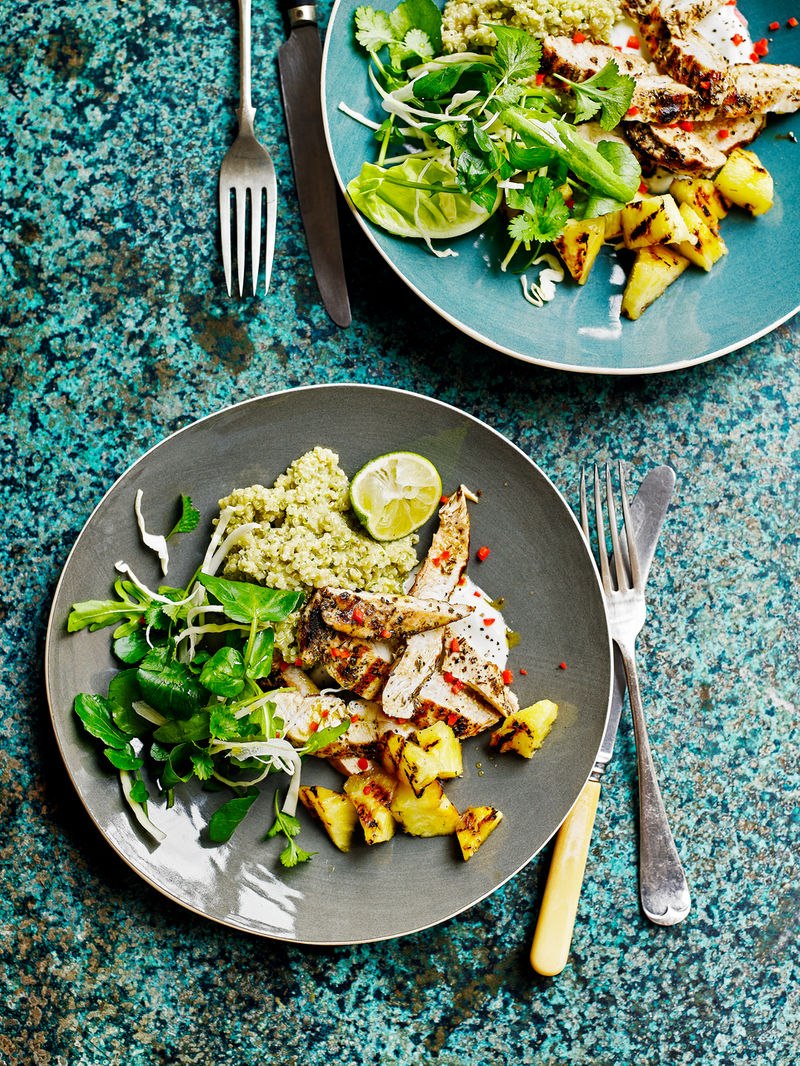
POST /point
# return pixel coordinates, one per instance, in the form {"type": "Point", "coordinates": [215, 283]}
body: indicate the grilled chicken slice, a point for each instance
{"type": "Point", "coordinates": [465, 711]}
{"type": "Point", "coordinates": [656, 97]}
{"type": "Point", "coordinates": [698, 151]}
{"type": "Point", "coordinates": [376, 615]}
{"type": "Point", "coordinates": [436, 579]}
{"type": "Point", "coordinates": [762, 87]}
{"type": "Point", "coordinates": [478, 673]}
{"type": "Point", "coordinates": [358, 665]}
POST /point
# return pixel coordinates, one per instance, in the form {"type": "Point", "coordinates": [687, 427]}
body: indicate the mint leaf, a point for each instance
{"type": "Point", "coordinates": [188, 520]}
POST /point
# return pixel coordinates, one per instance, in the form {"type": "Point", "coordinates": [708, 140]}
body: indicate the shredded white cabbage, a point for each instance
{"type": "Point", "coordinates": [154, 541]}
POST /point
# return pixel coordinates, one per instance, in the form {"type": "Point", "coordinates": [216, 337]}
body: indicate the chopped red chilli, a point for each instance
{"type": "Point", "coordinates": [578, 37]}
{"type": "Point", "coordinates": [723, 134]}
{"type": "Point", "coordinates": [687, 126]}
{"type": "Point", "coordinates": [454, 645]}
{"type": "Point", "coordinates": [386, 633]}
{"type": "Point", "coordinates": [737, 38]}
{"type": "Point", "coordinates": [508, 677]}
{"type": "Point", "coordinates": [489, 621]}
{"type": "Point", "coordinates": [482, 552]}
{"type": "Point", "coordinates": [761, 47]}
{"type": "Point", "coordinates": [523, 672]}
{"type": "Point", "coordinates": [362, 763]}
{"type": "Point", "coordinates": [358, 616]}
{"type": "Point", "coordinates": [633, 110]}
{"type": "Point", "coordinates": [633, 42]}
{"type": "Point", "coordinates": [562, 666]}
{"type": "Point", "coordinates": [792, 22]}
{"type": "Point", "coordinates": [774, 26]}
{"type": "Point", "coordinates": [314, 727]}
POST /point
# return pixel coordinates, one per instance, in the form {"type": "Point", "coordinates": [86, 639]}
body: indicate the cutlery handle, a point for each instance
{"type": "Point", "coordinates": [553, 936]}
{"type": "Point", "coordinates": [245, 112]}
{"type": "Point", "coordinates": [663, 889]}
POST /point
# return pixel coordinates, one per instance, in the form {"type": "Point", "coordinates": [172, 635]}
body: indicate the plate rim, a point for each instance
{"type": "Point", "coordinates": [51, 634]}
{"type": "Point", "coordinates": [543, 361]}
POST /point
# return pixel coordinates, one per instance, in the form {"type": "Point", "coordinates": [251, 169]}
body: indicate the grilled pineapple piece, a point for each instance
{"type": "Point", "coordinates": [334, 810]}
{"type": "Point", "coordinates": [652, 220]}
{"type": "Point", "coordinates": [524, 730]}
{"type": "Point", "coordinates": [746, 182]}
{"type": "Point", "coordinates": [391, 752]}
{"type": "Point", "coordinates": [578, 245]}
{"type": "Point", "coordinates": [702, 195]}
{"type": "Point", "coordinates": [371, 793]}
{"type": "Point", "coordinates": [443, 746]}
{"type": "Point", "coordinates": [417, 768]}
{"type": "Point", "coordinates": [474, 826]}
{"type": "Point", "coordinates": [654, 269]}
{"type": "Point", "coordinates": [613, 225]}
{"type": "Point", "coordinates": [429, 815]}
{"type": "Point", "coordinates": [708, 246]}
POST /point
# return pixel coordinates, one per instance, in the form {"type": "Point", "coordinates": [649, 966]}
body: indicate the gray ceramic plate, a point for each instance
{"type": "Point", "coordinates": [701, 316]}
{"type": "Point", "coordinates": [538, 563]}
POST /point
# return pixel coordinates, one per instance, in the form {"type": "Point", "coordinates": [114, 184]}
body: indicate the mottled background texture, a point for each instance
{"type": "Point", "coordinates": [114, 331]}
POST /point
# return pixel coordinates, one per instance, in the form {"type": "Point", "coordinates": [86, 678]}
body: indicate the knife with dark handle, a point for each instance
{"type": "Point", "coordinates": [300, 73]}
{"type": "Point", "coordinates": [553, 936]}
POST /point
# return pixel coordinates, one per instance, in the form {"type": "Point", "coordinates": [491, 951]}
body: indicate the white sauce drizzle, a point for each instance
{"type": "Point", "coordinates": [489, 641]}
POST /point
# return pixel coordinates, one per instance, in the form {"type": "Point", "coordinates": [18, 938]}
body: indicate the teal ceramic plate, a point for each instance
{"type": "Point", "coordinates": [701, 316]}
{"type": "Point", "coordinates": [538, 563]}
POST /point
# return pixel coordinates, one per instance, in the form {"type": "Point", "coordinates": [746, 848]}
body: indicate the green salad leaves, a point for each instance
{"type": "Point", "coordinates": [192, 699]}
{"type": "Point", "coordinates": [476, 130]}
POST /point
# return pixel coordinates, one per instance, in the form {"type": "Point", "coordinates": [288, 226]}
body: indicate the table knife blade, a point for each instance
{"type": "Point", "coordinates": [300, 73]}
{"type": "Point", "coordinates": [553, 936]}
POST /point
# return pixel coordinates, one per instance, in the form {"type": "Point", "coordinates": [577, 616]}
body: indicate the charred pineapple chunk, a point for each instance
{"type": "Point", "coordinates": [371, 794]}
{"type": "Point", "coordinates": [746, 182]}
{"type": "Point", "coordinates": [443, 746]}
{"type": "Point", "coordinates": [613, 225]}
{"type": "Point", "coordinates": [702, 195]}
{"type": "Point", "coordinates": [578, 245]}
{"type": "Point", "coordinates": [391, 752]}
{"type": "Point", "coordinates": [428, 815]}
{"type": "Point", "coordinates": [708, 246]}
{"type": "Point", "coordinates": [652, 220]}
{"type": "Point", "coordinates": [334, 810]}
{"type": "Point", "coordinates": [654, 270]}
{"type": "Point", "coordinates": [525, 729]}
{"type": "Point", "coordinates": [417, 768]}
{"type": "Point", "coordinates": [474, 826]}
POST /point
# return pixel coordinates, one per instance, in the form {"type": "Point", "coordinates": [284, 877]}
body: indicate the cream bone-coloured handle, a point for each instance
{"type": "Point", "coordinates": [553, 936]}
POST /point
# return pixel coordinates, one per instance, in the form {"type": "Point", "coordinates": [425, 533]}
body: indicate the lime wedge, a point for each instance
{"type": "Point", "coordinates": [395, 494]}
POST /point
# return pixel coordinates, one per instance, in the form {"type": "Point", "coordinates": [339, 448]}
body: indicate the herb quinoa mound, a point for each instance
{"type": "Point", "coordinates": [464, 23]}
{"type": "Point", "coordinates": [309, 537]}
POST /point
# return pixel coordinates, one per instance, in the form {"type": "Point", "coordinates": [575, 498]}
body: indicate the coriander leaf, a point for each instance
{"type": "Point", "coordinates": [419, 43]}
{"type": "Point", "coordinates": [245, 602]}
{"type": "Point", "coordinates": [169, 686]}
{"type": "Point", "coordinates": [123, 758]}
{"type": "Point", "coordinates": [226, 726]}
{"type": "Point", "coordinates": [607, 91]}
{"type": "Point", "coordinates": [287, 824]}
{"type": "Point", "coordinates": [223, 674]}
{"type": "Point", "coordinates": [421, 15]}
{"type": "Point", "coordinates": [292, 854]}
{"type": "Point", "coordinates": [542, 211]}
{"type": "Point", "coordinates": [188, 520]}
{"type": "Point", "coordinates": [372, 29]}
{"type": "Point", "coordinates": [517, 54]}
{"type": "Point", "coordinates": [95, 713]}
{"type": "Point", "coordinates": [225, 820]}
{"type": "Point", "coordinates": [203, 763]}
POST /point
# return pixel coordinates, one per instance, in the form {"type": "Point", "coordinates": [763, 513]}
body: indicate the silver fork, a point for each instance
{"type": "Point", "coordinates": [248, 173]}
{"type": "Point", "coordinates": [662, 884]}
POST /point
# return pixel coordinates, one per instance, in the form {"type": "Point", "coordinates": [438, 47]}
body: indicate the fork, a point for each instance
{"type": "Point", "coordinates": [247, 172]}
{"type": "Point", "coordinates": [663, 890]}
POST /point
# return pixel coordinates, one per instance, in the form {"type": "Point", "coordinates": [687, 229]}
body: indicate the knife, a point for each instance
{"type": "Point", "coordinates": [553, 936]}
{"type": "Point", "coordinates": [300, 73]}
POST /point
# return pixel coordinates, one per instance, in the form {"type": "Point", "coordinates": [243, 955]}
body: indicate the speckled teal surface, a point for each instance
{"type": "Point", "coordinates": [114, 333]}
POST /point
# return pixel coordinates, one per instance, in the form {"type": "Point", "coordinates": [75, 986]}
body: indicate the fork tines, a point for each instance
{"type": "Point", "coordinates": [621, 554]}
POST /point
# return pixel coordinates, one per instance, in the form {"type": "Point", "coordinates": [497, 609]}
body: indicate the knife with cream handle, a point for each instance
{"type": "Point", "coordinates": [553, 936]}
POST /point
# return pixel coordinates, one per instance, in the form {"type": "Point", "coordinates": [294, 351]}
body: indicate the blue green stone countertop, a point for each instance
{"type": "Point", "coordinates": [114, 332]}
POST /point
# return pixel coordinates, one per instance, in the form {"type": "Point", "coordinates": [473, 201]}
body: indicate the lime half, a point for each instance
{"type": "Point", "coordinates": [395, 494]}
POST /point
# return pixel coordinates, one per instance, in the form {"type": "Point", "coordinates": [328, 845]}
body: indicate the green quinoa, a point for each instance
{"type": "Point", "coordinates": [308, 536]}
{"type": "Point", "coordinates": [464, 21]}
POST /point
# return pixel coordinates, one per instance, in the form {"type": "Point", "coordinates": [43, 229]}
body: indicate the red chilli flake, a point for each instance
{"type": "Point", "coordinates": [523, 672]}
{"type": "Point", "coordinates": [562, 666]}
{"type": "Point", "coordinates": [634, 110]}
{"type": "Point", "coordinates": [774, 26]}
{"type": "Point", "coordinates": [761, 48]}
{"type": "Point", "coordinates": [452, 719]}
{"type": "Point", "coordinates": [686, 126]}
{"type": "Point", "coordinates": [633, 42]}
{"type": "Point", "coordinates": [792, 22]}
{"type": "Point", "coordinates": [454, 645]}
{"type": "Point", "coordinates": [737, 38]}
{"type": "Point", "coordinates": [437, 560]}
{"type": "Point", "coordinates": [723, 134]}
{"type": "Point", "coordinates": [705, 84]}
{"type": "Point", "coordinates": [449, 678]}
{"type": "Point", "coordinates": [539, 79]}
{"type": "Point", "coordinates": [358, 615]}
{"type": "Point", "coordinates": [353, 720]}
{"type": "Point", "coordinates": [754, 56]}
{"type": "Point", "coordinates": [314, 727]}
{"type": "Point", "coordinates": [386, 633]}
{"type": "Point", "coordinates": [462, 580]}
{"type": "Point", "coordinates": [508, 677]}
{"type": "Point", "coordinates": [457, 685]}
{"type": "Point", "coordinates": [362, 763]}
{"type": "Point", "coordinates": [489, 621]}
{"type": "Point", "coordinates": [578, 37]}
{"type": "Point", "coordinates": [476, 593]}
{"type": "Point", "coordinates": [642, 187]}
{"type": "Point", "coordinates": [444, 499]}
{"type": "Point", "coordinates": [482, 553]}
{"type": "Point", "coordinates": [298, 661]}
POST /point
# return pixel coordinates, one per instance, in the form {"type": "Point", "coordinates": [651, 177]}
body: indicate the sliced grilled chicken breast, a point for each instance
{"type": "Point", "coordinates": [464, 710]}
{"type": "Point", "coordinates": [377, 615]}
{"type": "Point", "coordinates": [698, 151]}
{"type": "Point", "coordinates": [478, 673]}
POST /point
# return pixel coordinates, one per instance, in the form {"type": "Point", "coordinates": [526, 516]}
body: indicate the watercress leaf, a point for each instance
{"type": "Point", "coordinates": [139, 793]}
{"type": "Point", "coordinates": [188, 520]}
{"type": "Point", "coordinates": [178, 767]}
{"type": "Point", "coordinates": [169, 686]}
{"type": "Point", "coordinates": [197, 727]}
{"type": "Point", "coordinates": [486, 195]}
{"type": "Point", "coordinates": [517, 54]}
{"type": "Point", "coordinates": [95, 713]}
{"type": "Point", "coordinates": [225, 820]}
{"type": "Point", "coordinates": [223, 674]}
{"type": "Point", "coordinates": [96, 614]}
{"type": "Point", "coordinates": [260, 662]}
{"type": "Point", "coordinates": [373, 30]}
{"type": "Point", "coordinates": [132, 647]}
{"type": "Point", "coordinates": [524, 157]}
{"type": "Point", "coordinates": [245, 602]}
{"type": "Point", "coordinates": [440, 82]}
{"type": "Point", "coordinates": [123, 690]}
{"type": "Point", "coordinates": [158, 753]}
{"type": "Point", "coordinates": [623, 161]}
{"type": "Point", "coordinates": [123, 758]}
